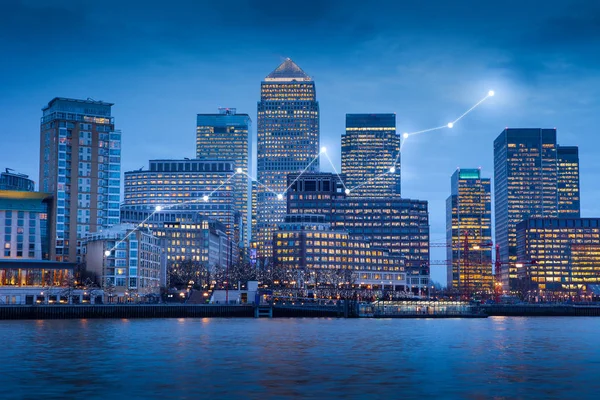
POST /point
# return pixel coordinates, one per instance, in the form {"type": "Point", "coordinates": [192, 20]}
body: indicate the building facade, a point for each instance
{"type": "Point", "coordinates": [399, 226]}
{"type": "Point", "coordinates": [525, 185]}
{"type": "Point", "coordinates": [568, 181]}
{"type": "Point", "coordinates": [371, 155]}
{"type": "Point", "coordinates": [24, 220]}
{"type": "Point", "coordinates": [314, 193]}
{"type": "Point", "coordinates": [288, 141]}
{"type": "Point", "coordinates": [80, 165]}
{"type": "Point", "coordinates": [127, 261]}
{"type": "Point", "coordinates": [188, 235]}
{"type": "Point", "coordinates": [192, 186]}
{"type": "Point", "coordinates": [226, 136]}
{"type": "Point", "coordinates": [558, 254]}
{"type": "Point", "coordinates": [15, 181]}
{"type": "Point", "coordinates": [307, 245]}
{"type": "Point", "coordinates": [469, 232]}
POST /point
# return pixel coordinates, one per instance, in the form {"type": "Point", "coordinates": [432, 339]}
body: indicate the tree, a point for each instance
{"type": "Point", "coordinates": [188, 273]}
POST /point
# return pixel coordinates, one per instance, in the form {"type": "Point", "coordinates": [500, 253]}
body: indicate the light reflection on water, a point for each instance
{"type": "Point", "coordinates": [319, 358]}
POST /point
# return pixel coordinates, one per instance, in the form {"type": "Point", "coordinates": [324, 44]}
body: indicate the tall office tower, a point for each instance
{"type": "Point", "coordinates": [226, 136]}
{"type": "Point", "coordinates": [288, 141]}
{"type": "Point", "coordinates": [469, 232]}
{"type": "Point", "coordinates": [80, 165]}
{"type": "Point", "coordinates": [370, 155]}
{"type": "Point", "coordinates": [568, 181]}
{"type": "Point", "coordinates": [15, 181]}
{"type": "Point", "coordinates": [525, 185]}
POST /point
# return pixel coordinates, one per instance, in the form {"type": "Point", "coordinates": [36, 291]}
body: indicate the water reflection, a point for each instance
{"type": "Point", "coordinates": [320, 358]}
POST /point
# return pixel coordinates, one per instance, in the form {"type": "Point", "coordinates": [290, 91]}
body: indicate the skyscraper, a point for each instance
{"type": "Point", "coordinates": [568, 181]}
{"type": "Point", "coordinates": [226, 136]}
{"type": "Point", "coordinates": [288, 141]}
{"type": "Point", "coordinates": [525, 185]}
{"type": "Point", "coordinates": [80, 165]}
{"type": "Point", "coordinates": [370, 155]}
{"type": "Point", "coordinates": [469, 232]}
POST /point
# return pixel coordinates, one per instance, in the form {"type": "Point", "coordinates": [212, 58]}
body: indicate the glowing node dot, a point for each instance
{"type": "Point", "coordinates": [323, 149]}
{"type": "Point", "coordinates": [491, 93]}
{"type": "Point", "coordinates": [405, 135]}
{"type": "Point", "coordinates": [158, 208]}
{"type": "Point", "coordinates": [239, 171]}
{"type": "Point", "coordinates": [205, 198]}
{"type": "Point", "coordinates": [393, 169]}
{"type": "Point", "coordinates": [279, 196]}
{"type": "Point", "coordinates": [107, 253]}
{"type": "Point", "coordinates": [347, 191]}
{"type": "Point", "coordinates": [450, 125]}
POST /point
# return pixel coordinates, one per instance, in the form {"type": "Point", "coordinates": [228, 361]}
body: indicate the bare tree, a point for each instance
{"type": "Point", "coordinates": [188, 273]}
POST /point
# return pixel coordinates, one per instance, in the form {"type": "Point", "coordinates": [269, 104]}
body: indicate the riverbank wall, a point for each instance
{"type": "Point", "coordinates": [541, 310]}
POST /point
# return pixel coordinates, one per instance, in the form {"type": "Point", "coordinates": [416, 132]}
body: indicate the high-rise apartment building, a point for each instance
{"type": "Point", "coordinates": [226, 136]}
{"type": "Point", "coordinates": [288, 141]}
{"type": "Point", "coordinates": [184, 188]}
{"type": "Point", "coordinates": [80, 165]}
{"type": "Point", "coordinates": [371, 155]}
{"type": "Point", "coordinates": [568, 181]}
{"type": "Point", "coordinates": [529, 170]}
{"type": "Point", "coordinates": [469, 232]}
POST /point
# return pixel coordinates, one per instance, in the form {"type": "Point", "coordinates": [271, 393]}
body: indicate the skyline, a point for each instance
{"type": "Point", "coordinates": [160, 82]}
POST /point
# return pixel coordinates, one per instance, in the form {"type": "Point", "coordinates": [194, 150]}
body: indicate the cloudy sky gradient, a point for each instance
{"type": "Point", "coordinates": [161, 63]}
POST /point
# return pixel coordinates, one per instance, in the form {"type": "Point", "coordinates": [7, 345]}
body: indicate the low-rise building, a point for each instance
{"type": "Point", "coordinates": [16, 181]}
{"type": "Point", "coordinates": [127, 261]}
{"type": "Point", "coordinates": [558, 254]}
{"type": "Point", "coordinates": [316, 253]}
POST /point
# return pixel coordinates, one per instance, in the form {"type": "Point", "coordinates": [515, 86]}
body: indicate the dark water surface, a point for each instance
{"type": "Point", "coordinates": [292, 358]}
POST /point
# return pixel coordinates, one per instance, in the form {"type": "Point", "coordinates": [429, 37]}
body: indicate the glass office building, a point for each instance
{"type": "Point", "coordinates": [226, 136]}
{"type": "Point", "coordinates": [533, 178]}
{"type": "Point", "coordinates": [469, 232]}
{"type": "Point", "coordinates": [288, 141]}
{"type": "Point", "coordinates": [558, 254]}
{"type": "Point", "coordinates": [568, 181]}
{"type": "Point", "coordinates": [185, 188]}
{"type": "Point", "coordinates": [371, 155]}
{"type": "Point", "coordinates": [525, 185]}
{"type": "Point", "coordinates": [309, 246]}
{"type": "Point", "coordinates": [80, 165]}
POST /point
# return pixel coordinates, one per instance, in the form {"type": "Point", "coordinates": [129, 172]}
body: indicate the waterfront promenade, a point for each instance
{"type": "Point", "coordinates": [337, 310]}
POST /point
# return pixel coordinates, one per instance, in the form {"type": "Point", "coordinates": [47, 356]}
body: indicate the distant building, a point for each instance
{"type": "Point", "coordinates": [190, 186]}
{"type": "Point", "coordinates": [371, 155]}
{"type": "Point", "coordinates": [558, 254]}
{"type": "Point", "coordinates": [314, 252]}
{"type": "Point", "coordinates": [288, 141]}
{"type": "Point", "coordinates": [24, 221]}
{"type": "Point", "coordinates": [469, 232]}
{"type": "Point", "coordinates": [568, 181]}
{"type": "Point", "coordinates": [80, 165]}
{"type": "Point", "coordinates": [15, 181]}
{"type": "Point", "coordinates": [127, 261]}
{"type": "Point", "coordinates": [226, 136]}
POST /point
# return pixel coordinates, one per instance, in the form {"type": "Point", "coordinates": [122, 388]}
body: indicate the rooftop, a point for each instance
{"type": "Point", "coordinates": [288, 71]}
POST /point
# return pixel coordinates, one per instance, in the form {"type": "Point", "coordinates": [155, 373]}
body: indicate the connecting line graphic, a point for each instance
{"type": "Point", "coordinates": [280, 196]}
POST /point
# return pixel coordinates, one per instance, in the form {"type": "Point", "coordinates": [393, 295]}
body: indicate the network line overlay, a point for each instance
{"type": "Point", "coordinates": [281, 195]}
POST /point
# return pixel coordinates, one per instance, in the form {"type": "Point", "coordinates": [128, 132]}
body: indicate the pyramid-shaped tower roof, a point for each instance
{"type": "Point", "coordinates": [288, 71]}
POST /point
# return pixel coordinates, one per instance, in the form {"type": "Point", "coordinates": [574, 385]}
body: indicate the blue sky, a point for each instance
{"type": "Point", "coordinates": [161, 63]}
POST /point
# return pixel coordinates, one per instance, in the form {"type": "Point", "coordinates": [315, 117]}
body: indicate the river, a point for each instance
{"type": "Point", "coordinates": [502, 358]}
